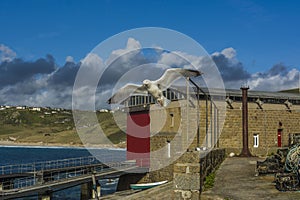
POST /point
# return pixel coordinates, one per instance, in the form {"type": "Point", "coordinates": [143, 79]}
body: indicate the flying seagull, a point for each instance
{"type": "Point", "coordinates": [155, 88]}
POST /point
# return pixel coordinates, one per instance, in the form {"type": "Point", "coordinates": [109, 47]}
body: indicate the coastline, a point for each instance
{"type": "Point", "coordinates": [58, 145]}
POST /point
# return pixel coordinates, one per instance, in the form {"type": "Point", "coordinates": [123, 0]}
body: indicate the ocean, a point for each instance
{"type": "Point", "coordinates": [10, 155]}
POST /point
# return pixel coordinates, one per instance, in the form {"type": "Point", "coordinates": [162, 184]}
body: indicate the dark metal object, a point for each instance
{"type": "Point", "coordinates": [216, 117]}
{"type": "Point", "coordinates": [285, 164]}
{"type": "Point", "coordinates": [294, 138]}
{"type": "Point", "coordinates": [206, 121]}
{"type": "Point", "coordinates": [211, 124]}
{"type": "Point", "coordinates": [272, 164]}
{"type": "Point", "coordinates": [198, 109]}
{"type": "Point", "coordinates": [287, 181]}
{"type": "Point", "coordinates": [245, 151]}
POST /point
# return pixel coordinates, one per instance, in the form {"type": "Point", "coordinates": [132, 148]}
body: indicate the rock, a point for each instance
{"type": "Point", "coordinates": [15, 115]}
{"type": "Point", "coordinates": [12, 138]}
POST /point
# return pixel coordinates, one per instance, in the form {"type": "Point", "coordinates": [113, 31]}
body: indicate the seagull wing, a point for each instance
{"type": "Point", "coordinates": [127, 91]}
{"type": "Point", "coordinates": [173, 74]}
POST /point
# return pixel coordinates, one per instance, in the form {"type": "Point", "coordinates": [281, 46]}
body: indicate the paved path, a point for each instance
{"type": "Point", "coordinates": [163, 192]}
{"type": "Point", "coordinates": [236, 180]}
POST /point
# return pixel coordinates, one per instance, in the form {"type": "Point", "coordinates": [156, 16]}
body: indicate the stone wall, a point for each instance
{"type": "Point", "coordinates": [177, 131]}
{"type": "Point", "coordinates": [182, 129]}
{"type": "Point", "coordinates": [263, 122]}
{"type": "Point", "coordinates": [188, 176]}
{"type": "Point", "coordinates": [191, 170]}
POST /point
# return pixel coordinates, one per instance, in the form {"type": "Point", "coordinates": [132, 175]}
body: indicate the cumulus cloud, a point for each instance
{"type": "Point", "coordinates": [175, 59]}
{"type": "Point", "coordinates": [6, 54]}
{"type": "Point", "coordinates": [233, 72]}
{"type": "Point", "coordinates": [17, 70]}
{"type": "Point", "coordinates": [43, 83]}
{"type": "Point", "coordinates": [211, 77]}
{"type": "Point", "coordinates": [277, 78]}
{"type": "Point", "coordinates": [231, 69]}
{"type": "Point", "coordinates": [64, 76]}
{"type": "Point", "coordinates": [122, 60]}
{"type": "Point", "coordinates": [69, 59]}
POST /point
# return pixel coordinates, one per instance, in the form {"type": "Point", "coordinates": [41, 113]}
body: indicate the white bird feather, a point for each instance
{"type": "Point", "coordinates": [155, 88]}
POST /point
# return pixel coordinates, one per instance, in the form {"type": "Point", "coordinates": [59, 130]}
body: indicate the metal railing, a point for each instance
{"type": "Point", "coordinates": [39, 178]}
{"type": "Point", "coordinates": [70, 169]}
{"type": "Point", "coordinates": [51, 177]}
{"type": "Point", "coordinates": [47, 165]}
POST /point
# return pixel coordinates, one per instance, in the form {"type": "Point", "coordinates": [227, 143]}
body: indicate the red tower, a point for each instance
{"type": "Point", "coordinates": [138, 137]}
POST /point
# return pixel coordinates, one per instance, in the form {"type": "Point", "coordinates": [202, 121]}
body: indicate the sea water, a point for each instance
{"type": "Point", "coordinates": [10, 155]}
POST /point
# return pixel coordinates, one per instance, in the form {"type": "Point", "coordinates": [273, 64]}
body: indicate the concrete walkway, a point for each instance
{"type": "Point", "coordinates": [236, 180]}
{"type": "Point", "coordinates": [163, 192]}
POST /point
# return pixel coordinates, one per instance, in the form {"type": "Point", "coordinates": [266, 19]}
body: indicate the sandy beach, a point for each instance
{"type": "Point", "coordinates": [41, 144]}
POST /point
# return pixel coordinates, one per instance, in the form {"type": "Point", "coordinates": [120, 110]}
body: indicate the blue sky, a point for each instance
{"type": "Point", "coordinates": [263, 34]}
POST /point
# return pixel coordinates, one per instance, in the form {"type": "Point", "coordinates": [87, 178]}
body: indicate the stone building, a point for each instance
{"type": "Point", "coordinates": [272, 118]}
{"type": "Point", "coordinates": [219, 118]}
{"type": "Point", "coordinates": [174, 143]}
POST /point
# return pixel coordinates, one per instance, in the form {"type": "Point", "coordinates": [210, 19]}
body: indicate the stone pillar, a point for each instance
{"type": "Point", "coordinates": [45, 196]}
{"type": "Point", "coordinates": [96, 192]}
{"type": "Point", "coordinates": [96, 188]}
{"type": "Point", "coordinates": [86, 191]}
{"type": "Point", "coordinates": [39, 177]}
{"type": "Point", "coordinates": [187, 179]}
{"type": "Point", "coordinates": [7, 184]}
{"type": "Point", "coordinates": [90, 190]}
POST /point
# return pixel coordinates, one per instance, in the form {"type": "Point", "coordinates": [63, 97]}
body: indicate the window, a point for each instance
{"type": "Point", "coordinates": [256, 140]}
{"type": "Point", "coordinates": [172, 96]}
{"type": "Point", "coordinates": [143, 99]}
{"type": "Point", "coordinates": [168, 94]}
{"type": "Point", "coordinates": [169, 149]}
{"type": "Point", "coordinates": [172, 119]}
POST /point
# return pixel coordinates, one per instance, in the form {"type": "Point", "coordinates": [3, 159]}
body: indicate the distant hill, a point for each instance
{"type": "Point", "coordinates": [296, 90]}
{"type": "Point", "coordinates": [51, 126]}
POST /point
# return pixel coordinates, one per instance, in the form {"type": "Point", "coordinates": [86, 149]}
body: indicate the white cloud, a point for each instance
{"type": "Point", "coordinates": [205, 64]}
{"type": "Point", "coordinates": [229, 53]}
{"type": "Point", "coordinates": [175, 58]}
{"type": "Point", "coordinates": [275, 82]}
{"type": "Point", "coordinates": [133, 47]}
{"type": "Point", "coordinates": [69, 59]}
{"type": "Point", "coordinates": [6, 54]}
{"type": "Point", "coordinates": [54, 88]}
{"type": "Point", "coordinates": [133, 44]}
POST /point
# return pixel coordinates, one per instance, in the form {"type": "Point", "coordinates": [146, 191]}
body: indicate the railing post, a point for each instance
{"type": "Point", "coordinates": [96, 188]}
{"type": "Point", "coordinates": [45, 196]}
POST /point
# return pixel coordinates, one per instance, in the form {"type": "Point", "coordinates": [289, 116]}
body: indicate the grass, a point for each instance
{"type": "Point", "coordinates": [296, 90]}
{"type": "Point", "coordinates": [31, 126]}
{"type": "Point", "coordinates": [209, 181]}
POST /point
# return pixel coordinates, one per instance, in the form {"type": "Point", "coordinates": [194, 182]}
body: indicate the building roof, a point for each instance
{"type": "Point", "coordinates": [234, 94]}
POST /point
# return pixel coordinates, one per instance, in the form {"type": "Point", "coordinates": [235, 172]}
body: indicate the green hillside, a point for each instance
{"type": "Point", "coordinates": [296, 90]}
{"type": "Point", "coordinates": [51, 126]}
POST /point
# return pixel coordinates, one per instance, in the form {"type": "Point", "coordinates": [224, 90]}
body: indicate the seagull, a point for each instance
{"type": "Point", "coordinates": [155, 88]}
